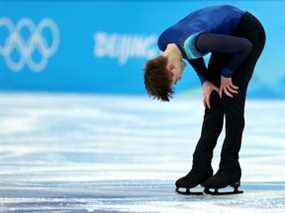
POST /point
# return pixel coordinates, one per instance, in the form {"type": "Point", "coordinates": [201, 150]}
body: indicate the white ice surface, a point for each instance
{"type": "Point", "coordinates": [84, 153]}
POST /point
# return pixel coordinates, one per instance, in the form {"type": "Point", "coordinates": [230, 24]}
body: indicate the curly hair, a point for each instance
{"type": "Point", "coordinates": [157, 79]}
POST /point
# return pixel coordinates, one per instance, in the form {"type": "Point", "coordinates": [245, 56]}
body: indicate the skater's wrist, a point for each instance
{"type": "Point", "coordinates": [226, 72]}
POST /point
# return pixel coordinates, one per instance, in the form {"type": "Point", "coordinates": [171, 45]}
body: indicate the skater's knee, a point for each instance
{"type": "Point", "coordinates": [215, 112]}
{"type": "Point", "coordinates": [219, 127]}
{"type": "Point", "coordinates": [233, 104]}
{"type": "Point", "coordinates": [236, 120]}
{"type": "Point", "coordinates": [215, 100]}
{"type": "Point", "coordinates": [234, 113]}
{"type": "Point", "coordinates": [242, 122]}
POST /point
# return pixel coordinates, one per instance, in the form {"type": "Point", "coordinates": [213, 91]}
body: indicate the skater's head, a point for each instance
{"type": "Point", "coordinates": [162, 73]}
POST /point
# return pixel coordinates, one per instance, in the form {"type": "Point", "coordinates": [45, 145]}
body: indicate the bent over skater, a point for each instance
{"type": "Point", "coordinates": [235, 39]}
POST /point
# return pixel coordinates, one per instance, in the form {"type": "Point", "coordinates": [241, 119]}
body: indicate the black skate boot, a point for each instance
{"type": "Point", "coordinates": [223, 179]}
{"type": "Point", "coordinates": [191, 180]}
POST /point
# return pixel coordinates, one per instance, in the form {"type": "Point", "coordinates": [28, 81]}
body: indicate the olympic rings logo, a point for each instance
{"type": "Point", "coordinates": [36, 42]}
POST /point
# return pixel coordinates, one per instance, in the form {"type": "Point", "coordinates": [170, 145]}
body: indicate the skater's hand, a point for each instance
{"type": "Point", "coordinates": [208, 87]}
{"type": "Point", "coordinates": [227, 86]}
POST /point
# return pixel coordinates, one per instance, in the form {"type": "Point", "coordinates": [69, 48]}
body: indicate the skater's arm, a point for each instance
{"type": "Point", "coordinates": [238, 46]}
{"type": "Point", "coordinates": [200, 68]}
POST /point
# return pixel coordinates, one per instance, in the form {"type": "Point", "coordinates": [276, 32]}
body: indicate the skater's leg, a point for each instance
{"type": "Point", "coordinates": [234, 107]}
{"type": "Point", "coordinates": [211, 129]}
{"type": "Point", "coordinates": [213, 118]}
{"type": "Point", "coordinates": [229, 172]}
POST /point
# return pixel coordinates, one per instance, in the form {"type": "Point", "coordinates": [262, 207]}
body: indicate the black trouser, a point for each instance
{"type": "Point", "coordinates": [233, 108]}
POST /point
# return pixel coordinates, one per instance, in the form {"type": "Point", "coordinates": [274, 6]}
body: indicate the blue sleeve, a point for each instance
{"type": "Point", "coordinates": [189, 47]}
{"type": "Point", "coordinates": [195, 57]}
{"type": "Point", "coordinates": [239, 48]}
{"type": "Point", "coordinates": [161, 42]}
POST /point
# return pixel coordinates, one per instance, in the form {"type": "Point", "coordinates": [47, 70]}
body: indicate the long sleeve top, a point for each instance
{"type": "Point", "coordinates": [210, 42]}
{"type": "Point", "coordinates": [208, 30]}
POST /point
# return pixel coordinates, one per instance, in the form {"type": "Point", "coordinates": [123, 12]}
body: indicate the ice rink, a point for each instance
{"type": "Point", "coordinates": [99, 153]}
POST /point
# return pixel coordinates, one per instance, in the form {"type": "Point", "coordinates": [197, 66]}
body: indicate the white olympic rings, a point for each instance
{"type": "Point", "coordinates": [26, 48]}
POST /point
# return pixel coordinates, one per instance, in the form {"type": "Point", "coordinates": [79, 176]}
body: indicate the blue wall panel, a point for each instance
{"type": "Point", "coordinates": [101, 47]}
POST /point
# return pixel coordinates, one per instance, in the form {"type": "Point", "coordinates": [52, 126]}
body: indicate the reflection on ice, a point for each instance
{"type": "Point", "coordinates": [85, 153]}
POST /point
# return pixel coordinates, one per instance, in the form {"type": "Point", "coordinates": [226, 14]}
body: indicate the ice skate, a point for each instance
{"type": "Point", "coordinates": [191, 180]}
{"type": "Point", "coordinates": [220, 180]}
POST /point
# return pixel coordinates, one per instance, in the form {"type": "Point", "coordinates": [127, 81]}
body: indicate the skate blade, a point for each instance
{"type": "Point", "coordinates": [216, 192]}
{"type": "Point", "coordinates": [188, 192]}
